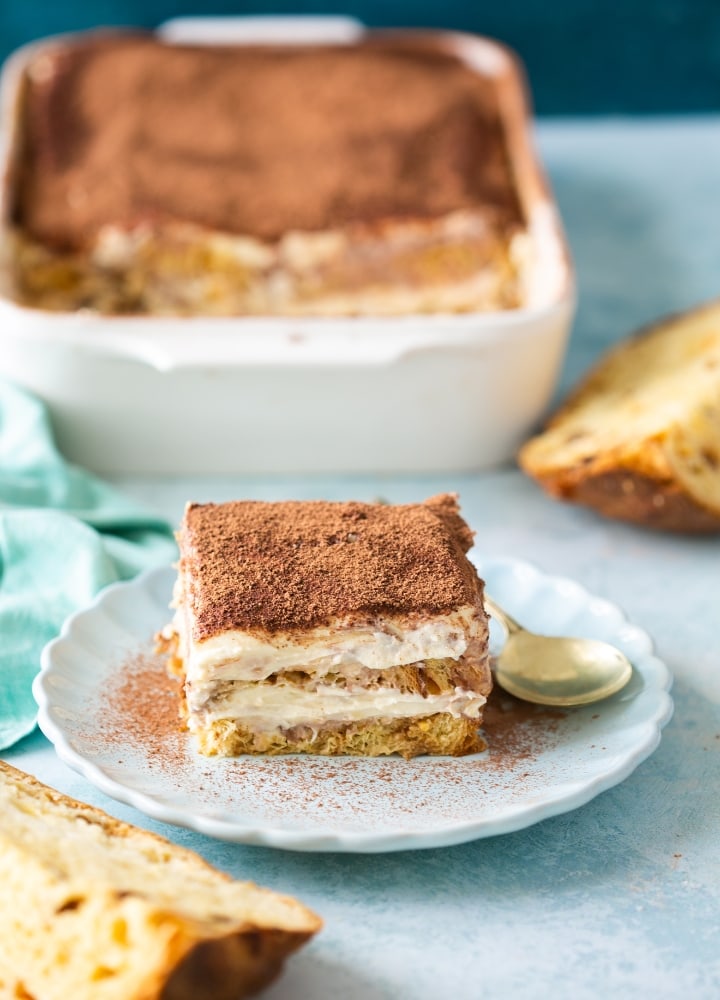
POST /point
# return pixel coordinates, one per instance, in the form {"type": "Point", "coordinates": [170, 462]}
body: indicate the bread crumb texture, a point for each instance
{"type": "Point", "coordinates": [639, 439]}
{"type": "Point", "coordinates": [95, 909]}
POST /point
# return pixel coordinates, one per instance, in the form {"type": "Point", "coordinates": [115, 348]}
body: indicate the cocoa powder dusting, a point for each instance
{"type": "Point", "coordinates": [293, 138]}
{"type": "Point", "coordinates": [293, 565]}
{"type": "Point", "coordinates": [141, 707]}
{"type": "Point", "coordinates": [517, 731]}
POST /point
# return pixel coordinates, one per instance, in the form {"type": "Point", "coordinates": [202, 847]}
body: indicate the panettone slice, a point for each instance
{"type": "Point", "coordinates": [639, 439]}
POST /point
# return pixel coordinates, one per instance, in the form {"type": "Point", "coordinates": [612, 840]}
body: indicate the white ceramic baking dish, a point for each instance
{"type": "Point", "coordinates": [152, 395]}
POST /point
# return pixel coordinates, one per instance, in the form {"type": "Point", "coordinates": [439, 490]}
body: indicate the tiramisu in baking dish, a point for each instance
{"type": "Point", "coordinates": [319, 180]}
{"type": "Point", "coordinates": [394, 296]}
{"type": "Point", "coordinates": [330, 628]}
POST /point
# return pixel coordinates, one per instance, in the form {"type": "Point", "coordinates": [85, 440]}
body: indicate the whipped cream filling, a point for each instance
{"type": "Point", "coordinates": [224, 673]}
{"type": "Point", "coordinates": [238, 655]}
{"type": "Point", "coordinates": [267, 707]}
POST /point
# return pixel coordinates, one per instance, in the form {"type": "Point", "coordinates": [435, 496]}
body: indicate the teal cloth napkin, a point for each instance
{"type": "Point", "coordinates": [64, 534]}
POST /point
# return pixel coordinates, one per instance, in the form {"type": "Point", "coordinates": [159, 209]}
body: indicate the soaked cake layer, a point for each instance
{"type": "Point", "coordinates": [467, 262]}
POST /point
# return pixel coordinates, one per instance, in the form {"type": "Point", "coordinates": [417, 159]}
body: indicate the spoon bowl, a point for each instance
{"type": "Point", "coordinates": [554, 670]}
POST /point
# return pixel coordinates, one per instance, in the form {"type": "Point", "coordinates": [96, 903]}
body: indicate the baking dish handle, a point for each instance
{"type": "Point", "coordinates": [261, 30]}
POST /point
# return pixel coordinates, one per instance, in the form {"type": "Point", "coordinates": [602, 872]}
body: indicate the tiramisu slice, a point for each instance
{"type": "Point", "coordinates": [330, 628]}
{"type": "Point", "coordinates": [157, 178]}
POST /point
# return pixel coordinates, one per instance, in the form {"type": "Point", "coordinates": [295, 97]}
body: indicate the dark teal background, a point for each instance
{"type": "Point", "coordinates": [582, 56]}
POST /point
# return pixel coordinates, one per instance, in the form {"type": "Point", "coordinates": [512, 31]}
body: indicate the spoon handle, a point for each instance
{"type": "Point", "coordinates": [506, 620]}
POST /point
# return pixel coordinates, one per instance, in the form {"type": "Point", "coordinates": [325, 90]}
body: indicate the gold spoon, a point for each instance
{"type": "Point", "coordinates": [550, 670]}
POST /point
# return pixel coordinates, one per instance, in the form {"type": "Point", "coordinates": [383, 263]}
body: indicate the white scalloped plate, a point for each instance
{"type": "Point", "coordinates": [106, 705]}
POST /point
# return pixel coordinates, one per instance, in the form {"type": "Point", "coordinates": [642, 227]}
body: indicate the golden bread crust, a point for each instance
{"type": "Point", "coordinates": [639, 438]}
{"type": "Point", "coordinates": [95, 909]}
{"type": "Point", "coordinates": [630, 496]}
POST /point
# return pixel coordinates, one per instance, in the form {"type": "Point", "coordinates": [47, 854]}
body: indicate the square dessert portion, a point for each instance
{"type": "Point", "coordinates": [372, 178]}
{"type": "Point", "coordinates": [330, 628]}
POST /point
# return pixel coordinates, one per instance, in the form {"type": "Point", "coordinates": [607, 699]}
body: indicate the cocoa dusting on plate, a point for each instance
{"type": "Point", "coordinates": [141, 707]}
{"type": "Point", "coordinates": [139, 710]}
{"type": "Point", "coordinates": [517, 731]}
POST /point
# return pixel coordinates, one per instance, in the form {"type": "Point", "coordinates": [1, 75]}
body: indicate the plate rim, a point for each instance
{"type": "Point", "coordinates": [565, 798]}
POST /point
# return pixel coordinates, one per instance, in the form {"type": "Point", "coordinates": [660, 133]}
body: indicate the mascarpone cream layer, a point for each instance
{"type": "Point", "coordinates": [267, 707]}
{"type": "Point", "coordinates": [238, 655]}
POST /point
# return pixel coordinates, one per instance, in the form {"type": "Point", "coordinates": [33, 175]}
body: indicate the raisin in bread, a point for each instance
{"type": "Point", "coordinates": [639, 439]}
{"type": "Point", "coordinates": [95, 909]}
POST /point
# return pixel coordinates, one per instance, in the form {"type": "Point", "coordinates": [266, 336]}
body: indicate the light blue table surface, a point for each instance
{"type": "Point", "coordinates": [620, 898]}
